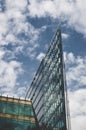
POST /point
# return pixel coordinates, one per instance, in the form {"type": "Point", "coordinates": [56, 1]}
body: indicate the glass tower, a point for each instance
{"type": "Point", "coordinates": [47, 90]}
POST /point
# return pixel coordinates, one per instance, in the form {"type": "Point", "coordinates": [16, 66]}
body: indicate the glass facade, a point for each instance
{"type": "Point", "coordinates": [47, 89]}
{"type": "Point", "coordinates": [16, 114]}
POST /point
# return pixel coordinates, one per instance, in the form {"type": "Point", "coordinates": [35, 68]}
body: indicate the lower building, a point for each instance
{"type": "Point", "coordinates": [16, 114]}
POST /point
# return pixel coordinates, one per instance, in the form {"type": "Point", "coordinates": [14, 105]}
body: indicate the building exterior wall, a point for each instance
{"type": "Point", "coordinates": [16, 114]}
{"type": "Point", "coordinates": [47, 88]}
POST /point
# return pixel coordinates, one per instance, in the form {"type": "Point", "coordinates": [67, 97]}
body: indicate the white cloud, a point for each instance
{"type": "Point", "coordinates": [21, 92]}
{"type": "Point", "coordinates": [76, 70]}
{"type": "Point", "coordinates": [78, 109]}
{"type": "Point", "coordinates": [9, 72]}
{"type": "Point", "coordinates": [76, 82]}
{"type": "Point", "coordinates": [40, 56]}
{"type": "Point", "coordinates": [69, 58]}
{"type": "Point", "coordinates": [66, 10]}
{"type": "Point", "coordinates": [18, 91]}
{"type": "Point", "coordinates": [43, 28]}
{"type": "Point", "coordinates": [16, 4]}
{"type": "Point", "coordinates": [65, 36]}
{"type": "Point", "coordinates": [2, 54]}
{"type": "Point", "coordinates": [15, 28]}
{"type": "Point", "coordinates": [78, 123]}
{"type": "Point", "coordinates": [77, 102]}
{"type": "Point", "coordinates": [18, 34]}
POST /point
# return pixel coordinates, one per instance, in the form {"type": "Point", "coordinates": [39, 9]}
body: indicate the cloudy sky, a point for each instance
{"type": "Point", "coordinates": [26, 29]}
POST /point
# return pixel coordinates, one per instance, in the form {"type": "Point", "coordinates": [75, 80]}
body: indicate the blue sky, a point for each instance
{"type": "Point", "coordinates": [26, 30]}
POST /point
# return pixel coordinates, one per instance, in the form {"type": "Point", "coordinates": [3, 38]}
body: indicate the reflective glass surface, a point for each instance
{"type": "Point", "coordinates": [16, 114]}
{"type": "Point", "coordinates": [47, 89]}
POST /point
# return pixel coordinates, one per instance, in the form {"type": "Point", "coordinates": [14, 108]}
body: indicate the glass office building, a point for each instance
{"type": "Point", "coordinates": [47, 91]}
{"type": "Point", "coordinates": [16, 114]}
